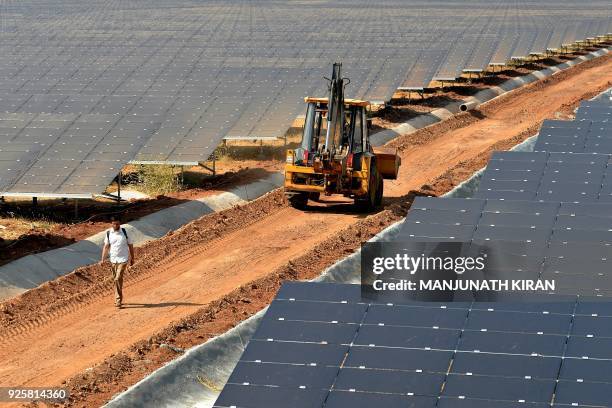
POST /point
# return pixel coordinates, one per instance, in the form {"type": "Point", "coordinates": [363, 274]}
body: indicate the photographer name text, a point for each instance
{"type": "Point", "coordinates": [495, 285]}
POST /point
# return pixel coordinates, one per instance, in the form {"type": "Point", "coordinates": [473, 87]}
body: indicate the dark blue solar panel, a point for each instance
{"type": "Point", "coordinates": [399, 359]}
{"type": "Point", "coordinates": [283, 375]}
{"type": "Point", "coordinates": [590, 209]}
{"type": "Point", "coordinates": [546, 304]}
{"type": "Point", "coordinates": [552, 177]}
{"type": "Point", "coordinates": [324, 292]}
{"type": "Point", "coordinates": [519, 322]}
{"type": "Point", "coordinates": [512, 233]}
{"type": "Point", "coordinates": [594, 307]}
{"type": "Point", "coordinates": [437, 231]}
{"type": "Point", "coordinates": [234, 395]}
{"type": "Point", "coordinates": [598, 326]}
{"type": "Point", "coordinates": [519, 156]}
{"type": "Point", "coordinates": [579, 250]}
{"type": "Point", "coordinates": [578, 369]}
{"type": "Point", "coordinates": [416, 316]}
{"type": "Point", "coordinates": [448, 217]}
{"type": "Point", "coordinates": [316, 311]}
{"type": "Point", "coordinates": [389, 381]}
{"type": "Point", "coordinates": [344, 399]}
{"type": "Point", "coordinates": [500, 388]}
{"type": "Point", "coordinates": [450, 402]}
{"type": "Point", "coordinates": [575, 266]}
{"type": "Point", "coordinates": [506, 365]}
{"type": "Point", "coordinates": [450, 204]}
{"type": "Point", "coordinates": [517, 220]}
{"type": "Point", "coordinates": [583, 222]}
{"type": "Point", "coordinates": [584, 393]}
{"type": "Point", "coordinates": [409, 337]}
{"type": "Point", "coordinates": [512, 343]}
{"type": "Point", "coordinates": [313, 332]}
{"type": "Point", "coordinates": [505, 194]}
{"type": "Point", "coordinates": [589, 347]}
{"type": "Point", "coordinates": [521, 207]}
{"type": "Point", "coordinates": [510, 185]}
{"type": "Point", "coordinates": [294, 353]}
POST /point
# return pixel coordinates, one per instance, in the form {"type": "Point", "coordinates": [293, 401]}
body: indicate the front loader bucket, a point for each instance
{"type": "Point", "coordinates": [387, 162]}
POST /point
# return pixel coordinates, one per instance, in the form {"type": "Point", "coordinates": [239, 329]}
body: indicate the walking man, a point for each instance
{"type": "Point", "coordinates": [119, 246]}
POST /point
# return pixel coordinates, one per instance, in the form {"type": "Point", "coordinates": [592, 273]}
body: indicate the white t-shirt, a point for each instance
{"type": "Point", "coordinates": [119, 250]}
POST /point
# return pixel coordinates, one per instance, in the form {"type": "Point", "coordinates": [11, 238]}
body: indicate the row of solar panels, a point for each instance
{"type": "Point", "coordinates": [324, 345]}
{"type": "Point", "coordinates": [195, 73]}
{"type": "Point", "coordinates": [590, 132]}
{"type": "Point", "coordinates": [570, 243]}
{"type": "Point", "coordinates": [577, 170]}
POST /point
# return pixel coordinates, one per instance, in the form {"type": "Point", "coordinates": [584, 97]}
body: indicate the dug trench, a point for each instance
{"type": "Point", "coordinates": [213, 273]}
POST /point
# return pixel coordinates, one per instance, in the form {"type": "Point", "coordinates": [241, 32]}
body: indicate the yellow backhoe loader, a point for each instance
{"type": "Point", "coordinates": [335, 155]}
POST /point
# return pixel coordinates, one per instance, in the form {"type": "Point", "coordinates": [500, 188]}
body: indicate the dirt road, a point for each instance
{"type": "Point", "coordinates": [76, 341]}
{"type": "Point", "coordinates": [62, 343]}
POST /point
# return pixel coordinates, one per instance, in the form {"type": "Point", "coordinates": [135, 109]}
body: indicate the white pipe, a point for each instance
{"type": "Point", "coordinates": [468, 106]}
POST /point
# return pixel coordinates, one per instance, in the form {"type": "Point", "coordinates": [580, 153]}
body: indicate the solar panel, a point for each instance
{"type": "Point", "coordinates": [432, 354]}
{"type": "Point", "coordinates": [295, 353]}
{"type": "Point", "coordinates": [283, 355]}
{"type": "Point", "coordinates": [238, 395]}
{"type": "Point", "coordinates": [454, 402]}
{"type": "Point", "coordinates": [556, 240]}
{"type": "Point", "coordinates": [316, 311]}
{"type": "Point", "coordinates": [341, 399]}
{"type": "Point", "coordinates": [512, 365]}
{"type": "Point", "coordinates": [284, 375]}
{"type": "Point", "coordinates": [588, 133]}
{"type": "Point", "coordinates": [209, 71]}
{"type": "Point", "coordinates": [542, 176]}
{"type": "Point", "coordinates": [519, 322]}
{"type": "Point", "coordinates": [388, 381]}
{"type": "Point", "coordinates": [586, 370]}
{"type": "Point", "coordinates": [416, 316]}
{"type": "Point", "coordinates": [509, 389]}
{"type": "Point", "coordinates": [407, 337]}
{"type": "Point", "coordinates": [584, 393]}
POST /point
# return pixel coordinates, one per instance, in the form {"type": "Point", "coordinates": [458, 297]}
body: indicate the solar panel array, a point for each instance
{"type": "Point", "coordinates": [570, 243]}
{"type": "Point", "coordinates": [89, 86]}
{"type": "Point", "coordinates": [590, 132]}
{"type": "Point", "coordinates": [320, 345]}
{"type": "Point", "coordinates": [323, 345]}
{"type": "Point", "coordinates": [542, 176]}
{"type": "Point", "coordinates": [571, 162]}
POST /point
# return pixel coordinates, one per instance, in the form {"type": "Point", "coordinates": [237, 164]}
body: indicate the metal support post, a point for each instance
{"type": "Point", "coordinates": [119, 188]}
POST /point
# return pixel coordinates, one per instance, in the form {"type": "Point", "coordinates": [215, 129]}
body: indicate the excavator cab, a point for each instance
{"type": "Point", "coordinates": [346, 141]}
{"type": "Point", "coordinates": [335, 155]}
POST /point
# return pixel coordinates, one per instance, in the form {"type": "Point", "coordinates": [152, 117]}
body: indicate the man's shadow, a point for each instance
{"type": "Point", "coordinates": [153, 305]}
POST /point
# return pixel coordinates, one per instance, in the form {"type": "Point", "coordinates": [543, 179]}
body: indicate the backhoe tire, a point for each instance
{"type": "Point", "coordinates": [298, 200]}
{"type": "Point", "coordinates": [314, 196]}
{"type": "Point", "coordinates": [371, 200]}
